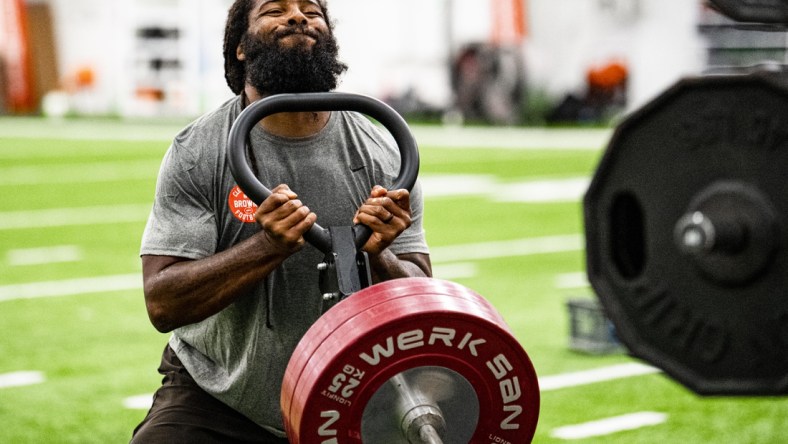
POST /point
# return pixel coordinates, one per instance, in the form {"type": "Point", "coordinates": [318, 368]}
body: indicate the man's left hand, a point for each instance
{"type": "Point", "coordinates": [387, 213]}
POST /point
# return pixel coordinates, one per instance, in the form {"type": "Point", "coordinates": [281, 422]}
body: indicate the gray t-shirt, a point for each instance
{"type": "Point", "coordinates": [240, 354]}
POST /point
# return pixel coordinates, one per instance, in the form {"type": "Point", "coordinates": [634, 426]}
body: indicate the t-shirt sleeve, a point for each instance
{"type": "Point", "coordinates": [182, 220]}
{"type": "Point", "coordinates": [413, 239]}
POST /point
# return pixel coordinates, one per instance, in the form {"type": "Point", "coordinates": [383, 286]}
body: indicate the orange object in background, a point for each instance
{"type": "Point", "coordinates": [85, 77]}
{"type": "Point", "coordinates": [509, 18]}
{"type": "Point", "coordinates": [608, 77]}
{"type": "Point", "coordinates": [19, 91]}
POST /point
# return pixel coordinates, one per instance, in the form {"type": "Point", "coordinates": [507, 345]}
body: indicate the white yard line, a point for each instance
{"type": "Point", "coordinates": [569, 189]}
{"type": "Point", "coordinates": [575, 379]}
{"type": "Point", "coordinates": [440, 256]}
{"type": "Point", "coordinates": [435, 187]}
{"type": "Point", "coordinates": [71, 287]}
{"type": "Point", "coordinates": [510, 138]}
{"type": "Point", "coordinates": [454, 137]}
{"type": "Point", "coordinates": [456, 185]}
{"type": "Point", "coordinates": [455, 271]}
{"type": "Point", "coordinates": [20, 379]}
{"type": "Point", "coordinates": [508, 248]}
{"type": "Point", "coordinates": [88, 129]}
{"type": "Point", "coordinates": [542, 191]}
{"type": "Point", "coordinates": [79, 173]}
{"type": "Point", "coordinates": [138, 402]}
{"type": "Point", "coordinates": [609, 426]}
{"type": "Point", "coordinates": [569, 281]}
{"type": "Point", "coordinates": [547, 383]}
{"type": "Point", "coordinates": [63, 217]}
{"type": "Point", "coordinates": [45, 255]}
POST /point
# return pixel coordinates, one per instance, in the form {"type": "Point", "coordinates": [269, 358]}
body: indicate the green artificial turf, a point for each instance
{"type": "Point", "coordinates": [97, 349]}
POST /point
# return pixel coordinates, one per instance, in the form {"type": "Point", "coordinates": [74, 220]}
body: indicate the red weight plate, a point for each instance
{"type": "Point", "coordinates": [402, 317]}
{"type": "Point", "coordinates": [350, 333]}
{"type": "Point", "coordinates": [355, 328]}
{"type": "Point", "coordinates": [328, 323]}
{"type": "Point", "coordinates": [405, 333]}
{"type": "Point", "coordinates": [364, 300]}
{"type": "Point", "coordinates": [361, 301]}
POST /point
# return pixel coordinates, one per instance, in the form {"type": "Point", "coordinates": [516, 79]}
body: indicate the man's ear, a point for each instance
{"type": "Point", "coordinates": [239, 52]}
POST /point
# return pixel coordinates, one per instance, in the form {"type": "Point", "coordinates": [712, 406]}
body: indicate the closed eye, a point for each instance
{"type": "Point", "coordinates": [313, 11]}
{"type": "Point", "coordinates": [271, 13]}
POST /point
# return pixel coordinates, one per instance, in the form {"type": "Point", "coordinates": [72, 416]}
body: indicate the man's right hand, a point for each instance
{"type": "Point", "coordinates": [285, 219]}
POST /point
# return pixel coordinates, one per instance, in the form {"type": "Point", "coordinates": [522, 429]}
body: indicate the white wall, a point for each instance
{"type": "Point", "coordinates": [390, 45]}
{"type": "Point", "coordinates": [101, 35]}
{"type": "Point", "coordinates": [657, 38]}
{"type": "Point", "coordinates": [395, 45]}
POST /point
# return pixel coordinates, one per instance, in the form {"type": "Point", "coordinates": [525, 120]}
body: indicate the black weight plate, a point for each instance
{"type": "Point", "coordinates": [714, 336]}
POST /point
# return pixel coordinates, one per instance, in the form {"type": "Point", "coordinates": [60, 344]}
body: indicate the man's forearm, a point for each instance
{"type": "Point", "coordinates": [189, 291]}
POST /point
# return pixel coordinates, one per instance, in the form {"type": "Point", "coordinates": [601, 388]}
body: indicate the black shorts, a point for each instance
{"type": "Point", "coordinates": [182, 412]}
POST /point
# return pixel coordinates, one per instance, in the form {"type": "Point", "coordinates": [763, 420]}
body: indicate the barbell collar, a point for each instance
{"type": "Point", "coordinates": [698, 233]}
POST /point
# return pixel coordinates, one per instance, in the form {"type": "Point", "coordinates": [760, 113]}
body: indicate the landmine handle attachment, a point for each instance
{"type": "Point", "coordinates": [344, 269]}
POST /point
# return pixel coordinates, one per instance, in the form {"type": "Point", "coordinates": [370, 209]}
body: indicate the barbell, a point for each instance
{"type": "Point", "coordinates": [417, 360]}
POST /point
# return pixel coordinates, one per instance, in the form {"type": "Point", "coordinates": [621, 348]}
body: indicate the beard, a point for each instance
{"type": "Point", "coordinates": [273, 68]}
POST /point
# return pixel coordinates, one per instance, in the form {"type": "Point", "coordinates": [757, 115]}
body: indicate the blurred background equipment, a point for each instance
{"type": "Point", "coordinates": [605, 96]}
{"type": "Point", "coordinates": [763, 11]}
{"type": "Point", "coordinates": [488, 78]}
{"type": "Point", "coordinates": [503, 62]}
{"type": "Point", "coordinates": [732, 44]}
{"type": "Point", "coordinates": [489, 84]}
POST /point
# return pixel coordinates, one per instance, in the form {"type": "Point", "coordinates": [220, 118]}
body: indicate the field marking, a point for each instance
{"type": "Point", "coordinates": [456, 185]}
{"type": "Point", "coordinates": [543, 191]}
{"type": "Point", "coordinates": [88, 129]}
{"type": "Point", "coordinates": [509, 248]}
{"type": "Point", "coordinates": [442, 186]}
{"type": "Point", "coordinates": [20, 379]}
{"type": "Point", "coordinates": [71, 287]}
{"type": "Point", "coordinates": [45, 255]}
{"type": "Point", "coordinates": [570, 189]}
{"type": "Point", "coordinates": [547, 383]}
{"type": "Point", "coordinates": [569, 281]}
{"type": "Point", "coordinates": [440, 255]}
{"type": "Point", "coordinates": [63, 217]}
{"type": "Point", "coordinates": [454, 137]}
{"type": "Point", "coordinates": [609, 426]}
{"type": "Point", "coordinates": [604, 374]}
{"type": "Point", "coordinates": [455, 271]}
{"type": "Point", "coordinates": [79, 173]}
{"type": "Point", "coordinates": [139, 402]}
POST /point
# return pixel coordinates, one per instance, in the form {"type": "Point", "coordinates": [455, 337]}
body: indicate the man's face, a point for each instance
{"type": "Point", "coordinates": [290, 48]}
{"type": "Point", "coordinates": [277, 18]}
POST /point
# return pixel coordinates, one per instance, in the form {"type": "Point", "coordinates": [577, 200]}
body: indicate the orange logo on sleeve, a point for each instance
{"type": "Point", "coordinates": [241, 205]}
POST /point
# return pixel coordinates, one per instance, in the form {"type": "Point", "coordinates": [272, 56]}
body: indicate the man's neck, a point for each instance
{"type": "Point", "coordinates": [302, 124]}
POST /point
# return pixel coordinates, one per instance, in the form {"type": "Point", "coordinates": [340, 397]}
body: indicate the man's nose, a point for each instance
{"type": "Point", "coordinates": [296, 17]}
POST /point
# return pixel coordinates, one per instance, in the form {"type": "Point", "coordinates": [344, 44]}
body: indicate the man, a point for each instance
{"type": "Point", "coordinates": [238, 288]}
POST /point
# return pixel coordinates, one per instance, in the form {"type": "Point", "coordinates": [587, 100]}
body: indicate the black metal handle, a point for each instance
{"type": "Point", "coordinates": [312, 102]}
